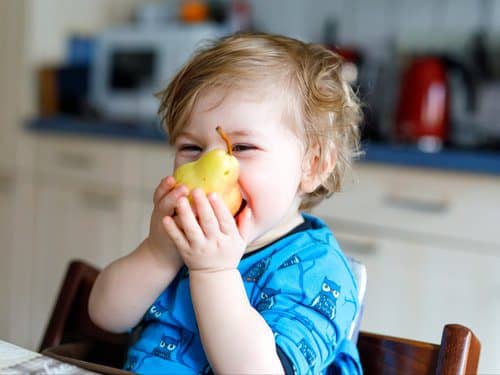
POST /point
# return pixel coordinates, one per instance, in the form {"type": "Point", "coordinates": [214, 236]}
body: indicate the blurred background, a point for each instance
{"type": "Point", "coordinates": [81, 150]}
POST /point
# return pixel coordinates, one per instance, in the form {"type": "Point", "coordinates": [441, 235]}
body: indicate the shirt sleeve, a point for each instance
{"type": "Point", "coordinates": [310, 306]}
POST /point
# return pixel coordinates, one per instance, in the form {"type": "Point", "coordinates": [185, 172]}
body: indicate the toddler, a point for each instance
{"type": "Point", "coordinates": [268, 291]}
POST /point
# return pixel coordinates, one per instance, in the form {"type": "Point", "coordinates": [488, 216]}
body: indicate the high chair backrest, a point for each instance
{"type": "Point", "coordinates": [70, 321]}
{"type": "Point", "coordinates": [457, 354]}
{"type": "Point", "coordinates": [359, 271]}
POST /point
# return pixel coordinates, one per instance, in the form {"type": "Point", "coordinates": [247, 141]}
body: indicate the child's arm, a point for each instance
{"type": "Point", "coordinates": [236, 339]}
{"type": "Point", "coordinates": [126, 288]}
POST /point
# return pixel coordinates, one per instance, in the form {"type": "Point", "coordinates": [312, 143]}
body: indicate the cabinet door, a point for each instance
{"type": "Point", "coordinates": [394, 270]}
{"type": "Point", "coordinates": [415, 289]}
{"type": "Point", "coordinates": [143, 207]}
{"type": "Point", "coordinates": [464, 288]}
{"type": "Point", "coordinates": [424, 204]}
{"type": "Point", "coordinates": [16, 256]}
{"type": "Point", "coordinates": [136, 221]}
{"type": "Point", "coordinates": [6, 213]}
{"type": "Point", "coordinates": [72, 223]}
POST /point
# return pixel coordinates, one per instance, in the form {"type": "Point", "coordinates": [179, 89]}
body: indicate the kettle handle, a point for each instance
{"type": "Point", "coordinates": [468, 78]}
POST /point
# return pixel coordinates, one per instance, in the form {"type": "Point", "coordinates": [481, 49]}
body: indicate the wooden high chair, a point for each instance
{"type": "Point", "coordinates": [457, 354]}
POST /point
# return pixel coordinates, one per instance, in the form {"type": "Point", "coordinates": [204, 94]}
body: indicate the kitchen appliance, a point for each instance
{"type": "Point", "coordinates": [134, 62]}
{"type": "Point", "coordinates": [442, 100]}
{"type": "Point", "coordinates": [63, 90]}
{"type": "Point", "coordinates": [422, 110]}
{"type": "Point", "coordinates": [438, 97]}
{"type": "Point", "coordinates": [481, 126]}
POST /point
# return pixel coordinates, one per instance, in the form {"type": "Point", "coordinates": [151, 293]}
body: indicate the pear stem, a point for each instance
{"type": "Point", "coordinates": [226, 139]}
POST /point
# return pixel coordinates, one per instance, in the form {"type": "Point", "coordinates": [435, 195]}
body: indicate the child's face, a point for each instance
{"type": "Point", "coordinates": [269, 152]}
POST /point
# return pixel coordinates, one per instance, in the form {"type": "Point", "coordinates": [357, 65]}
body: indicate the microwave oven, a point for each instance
{"type": "Point", "coordinates": [133, 63]}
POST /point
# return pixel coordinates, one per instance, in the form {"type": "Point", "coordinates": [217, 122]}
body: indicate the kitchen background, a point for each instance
{"type": "Point", "coordinates": [79, 160]}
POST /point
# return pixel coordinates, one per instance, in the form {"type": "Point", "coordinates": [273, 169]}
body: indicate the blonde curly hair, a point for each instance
{"type": "Point", "coordinates": [319, 102]}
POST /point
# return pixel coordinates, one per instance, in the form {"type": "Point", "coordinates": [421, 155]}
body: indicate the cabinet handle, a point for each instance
{"type": "Point", "coordinates": [353, 245]}
{"type": "Point", "coordinates": [417, 204]}
{"type": "Point", "coordinates": [100, 201]}
{"type": "Point", "coordinates": [6, 183]}
{"type": "Point", "coordinates": [72, 160]}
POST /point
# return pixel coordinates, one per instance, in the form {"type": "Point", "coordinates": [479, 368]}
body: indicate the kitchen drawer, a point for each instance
{"type": "Point", "coordinates": [415, 289]}
{"type": "Point", "coordinates": [420, 203]}
{"type": "Point", "coordinates": [76, 160]}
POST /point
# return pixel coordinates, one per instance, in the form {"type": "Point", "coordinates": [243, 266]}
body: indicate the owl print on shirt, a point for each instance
{"type": "Point", "coordinates": [266, 299]}
{"type": "Point", "coordinates": [156, 311]}
{"type": "Point", "coordinates": [257, 270]}
{"type": "Point", "coordinates": [325, 301]}
{"type": "Point", "coordinates": [166, 347]}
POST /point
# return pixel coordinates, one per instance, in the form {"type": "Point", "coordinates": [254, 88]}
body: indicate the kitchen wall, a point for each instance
{"type": "Point", "coordinates": [363, 22]}
{"type": "Point", "coordinates": [369, 22]}
{"type": "Point", "coordinates": [50, 22]}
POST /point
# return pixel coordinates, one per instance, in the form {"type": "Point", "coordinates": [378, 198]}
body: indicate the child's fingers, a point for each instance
{"type": "Point", "coordinates": [167, 203]}
{"type": "Point", "coordinates": [165, 185]}
{"type": "Point", "coordinates": [175, 233]}
{"type": "Point", "coordinates": [206, 216]}
{"type": "Point", "coordinates": [190, 227]}
{"type": "Point", "coordinates": [227, 224]}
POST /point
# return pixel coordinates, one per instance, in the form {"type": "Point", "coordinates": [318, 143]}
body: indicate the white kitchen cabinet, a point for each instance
{"type": "Point", "coordinates": [415, 202]}
{"type": "Point", "coordinates": [82, 211]}
{"type": "Point", "coordinates": [6, 211]}
{"type": "Point", "coordinates": [429, 243]}
{"type": "Point", "coordinates": [93, 202]}
{"type": "Point", "coordinates": [75, 222]}
{"type": "Point", "coordinates": [16, 228]}
{"type": "Point", "coordinates": [82, 161]}
{"type": "Point", "coordinates": [158, 163]}
{"type": "Point", "coordinates": [415, 289]}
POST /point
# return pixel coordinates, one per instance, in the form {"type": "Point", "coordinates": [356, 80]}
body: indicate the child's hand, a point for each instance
{"type": "Point", "coordinates": [212, 242]}
{"type": "Point", "coordinates": [165, 197]}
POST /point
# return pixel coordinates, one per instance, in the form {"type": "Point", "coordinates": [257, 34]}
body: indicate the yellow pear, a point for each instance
{"type": "Point", "coordinates": [216, 171]}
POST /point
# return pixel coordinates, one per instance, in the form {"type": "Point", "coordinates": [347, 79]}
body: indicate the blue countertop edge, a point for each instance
{"type": "Point", "coordinates": [98, 128]}
{"type": "Point", "coordinates": [485, 162]}
{"type": "Point", "coordinates": [471, 161]}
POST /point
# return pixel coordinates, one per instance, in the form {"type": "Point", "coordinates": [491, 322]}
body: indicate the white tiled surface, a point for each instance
{"type": "Point", "coordinates": [12, 354]}
{"type": "Point", "coordinates": [368, 21]}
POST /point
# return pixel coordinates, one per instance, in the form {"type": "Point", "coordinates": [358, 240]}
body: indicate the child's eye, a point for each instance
{"type": "Point", "coordinates": [242, 147]}
{"type": "Point", "coordinates": [189, 148]}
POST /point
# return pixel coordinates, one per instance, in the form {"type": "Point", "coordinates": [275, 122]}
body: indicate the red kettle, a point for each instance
{"type": "Point", "coordinates": [422, 110]}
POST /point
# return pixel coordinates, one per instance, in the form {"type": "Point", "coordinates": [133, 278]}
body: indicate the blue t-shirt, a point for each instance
{"type": "Point", "coordinates": [302, 286]}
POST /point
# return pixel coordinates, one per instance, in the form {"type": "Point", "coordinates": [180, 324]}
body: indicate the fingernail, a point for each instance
{"type": "Point", "coordinates": [182, 189]}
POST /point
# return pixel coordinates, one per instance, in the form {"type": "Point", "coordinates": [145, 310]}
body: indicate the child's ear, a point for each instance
{"type": "Point", "coordinates": [315, 170]}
